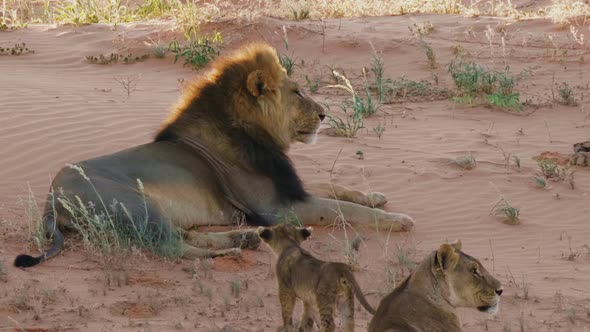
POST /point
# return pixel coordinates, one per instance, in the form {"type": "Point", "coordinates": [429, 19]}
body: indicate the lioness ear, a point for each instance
{"type": "Point", "coordinates": [305, 232]}
{"type": "Point", "coordinates": [257, 83]}
{"type": "Point", "coordinates": [447, 257]}
{"type": "Point", "coordinates": [457, 244]}
{"type": "Point", "coordinates": [264, 233]}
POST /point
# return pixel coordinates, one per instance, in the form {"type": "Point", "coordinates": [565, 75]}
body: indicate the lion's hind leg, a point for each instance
{"type": "Point", "coordinates": [341, 193]}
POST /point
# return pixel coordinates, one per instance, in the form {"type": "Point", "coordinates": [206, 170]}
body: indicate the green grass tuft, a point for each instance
{"type": "Point", "coordinates": [197, 53]}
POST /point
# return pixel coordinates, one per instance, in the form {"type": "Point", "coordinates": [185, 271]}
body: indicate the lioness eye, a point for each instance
{"type": "Point", "coordinates": [297, 92]}
{"type": "Point", "coordinates": [476, 272]}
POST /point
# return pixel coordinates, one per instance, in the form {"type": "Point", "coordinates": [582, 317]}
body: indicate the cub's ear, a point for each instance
{"type": "Point", "coordinates": [305, 232]}
{"type": "Point", "coordinates": [457, 244]}
{"type": "Point", "coordinates": [264, 233]}
{"type": "Point", "coordinates": [447, 257]}
{"type": "Point", "coordinates": [258, 83]}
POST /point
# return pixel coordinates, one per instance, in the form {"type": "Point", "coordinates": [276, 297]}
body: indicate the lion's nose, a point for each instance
{"type": "Point", "coordinates": [322, 116]}
{"type": "Point", "coordinates": [499, 291]}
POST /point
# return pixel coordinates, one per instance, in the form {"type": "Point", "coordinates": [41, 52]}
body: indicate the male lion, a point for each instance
{"type": "Point", "coordinates": [427, 300]}
{"type": "Point", "coordinates": [320, 285]}
{"type": "Point", "coordinates": [220, 157]}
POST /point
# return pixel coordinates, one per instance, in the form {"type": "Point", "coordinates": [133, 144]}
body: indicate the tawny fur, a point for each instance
{"type": "Point", "coordinates": [320, 285]}
{"type": "Point", "coordinates": [426, 301]}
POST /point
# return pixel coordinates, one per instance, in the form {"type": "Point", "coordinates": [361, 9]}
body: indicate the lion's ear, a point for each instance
{"type": "Point", "coordinates": [264, 233]}
{"type": "Point", "coordinates": [305, 232]}
{"type": "Point", "coordinates": [258, 83]}
{"type": "Point", "coordinates": [457, 244]}
{"type": "Point", "coordinates": [447, 257]}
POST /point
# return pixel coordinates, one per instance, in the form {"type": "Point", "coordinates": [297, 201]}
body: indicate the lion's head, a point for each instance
{"type": "Point", "coordinates": [469, 283]}
{"type": "Point", "coordinates": [282, 236]}
{"type": "Point", "coordinates": [250, 90]}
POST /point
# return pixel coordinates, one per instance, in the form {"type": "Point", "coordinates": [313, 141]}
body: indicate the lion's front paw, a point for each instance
{"type": "Point", "coordinates": [397, 222]}
{"type": "Point", "coordinates": [246, 239]}
{"type": "Point", "coordinates": [376, 199]}
{"type": "Point", "coordinates": [228, 252]}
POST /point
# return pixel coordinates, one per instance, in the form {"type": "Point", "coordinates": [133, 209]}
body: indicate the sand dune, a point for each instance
{"type": "Point", "coordinates": [58, 108]}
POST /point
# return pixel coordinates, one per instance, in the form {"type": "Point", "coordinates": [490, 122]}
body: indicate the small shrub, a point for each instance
{"type": "Point", "coordinates": [404, 89]}
{"type": "Point", "coordinates": [17, 49]}
{"type": "Point", "coordinates": [509, 212]}
{"type": "Point", "coordinates": [511, 101]}
{"type": "Point", "coordinates": [566, 95]}
{"type": "Point", "coordinates": [93, 11]}
{"type": "Point", "coordinates": [236, 287]}
{"type": "Point", "coordinates": [430, 56]}
{"type": "Point", "coordinates": [287, 62]}
{"type": "Point", "coordinates": [473, 80]}
{"type": "Point", "coordinates": [159, 51]}
{"type": "Point", "coordinates": [102, 59]}
{"type": "Point", "coordinates": [467, 161]}
{"type": "Point", "coordinates": [199, 52]}
{"type": "Point", "coordinates": [354, 111]}
{"type": "Point", "coordinates": [300, 14]}
{"type": "Point", "coordinates": [154, 9]}
{"type": "Point", "coordinates": [380, 83]}
{"type": "Point", "coordinates": [349, 125]}
{"type": "Point", "coordinates": [379, 130]}
{"type": "Point", "coordinates": [313, 86]}
{"type": "Point", "coordinates": [540, 182]}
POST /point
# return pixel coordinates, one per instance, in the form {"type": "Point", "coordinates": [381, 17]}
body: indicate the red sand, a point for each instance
{"type": "Point", "coordinates": [58, 108]}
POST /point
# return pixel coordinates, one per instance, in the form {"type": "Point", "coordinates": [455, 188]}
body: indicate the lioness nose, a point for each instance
{"type": "Point", "coordinates": [499, 291]}
{"type": "Point", "coordinates": [322, 116]}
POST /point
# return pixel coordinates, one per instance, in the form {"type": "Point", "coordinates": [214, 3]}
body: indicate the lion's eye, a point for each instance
{"type": "Point", "coordinates": [298, 93]}
{"type": "Point", "coordinates": [475, 272]}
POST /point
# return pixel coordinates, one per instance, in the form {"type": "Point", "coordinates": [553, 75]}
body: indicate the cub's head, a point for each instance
{"type": "Point", "coordinates": [470, 284]}
{"type": "Point", "coordinates": [283, 236]}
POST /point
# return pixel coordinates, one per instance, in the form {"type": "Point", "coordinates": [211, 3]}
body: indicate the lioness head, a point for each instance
{"type": "Point", "coordinates": [470, 284]}
{"type": "Point", "coordinates": [282, 236]}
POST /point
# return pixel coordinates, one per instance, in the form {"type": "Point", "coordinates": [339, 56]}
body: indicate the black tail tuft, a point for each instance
{"type": "Point", "coordinates": [27, 261]}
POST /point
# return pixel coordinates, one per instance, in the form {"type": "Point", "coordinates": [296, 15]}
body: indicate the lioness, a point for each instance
{"type": "Point", "coordinates": [219, 158]}
{"type": "Point", "coordinates": [320, 285]}
{"type": "Point", "coordinates": [427, 300]}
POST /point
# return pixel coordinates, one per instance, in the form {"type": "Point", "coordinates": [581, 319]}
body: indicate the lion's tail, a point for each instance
{"type": "Point", "coordinates": [356, 289]}
{"type": "Point", "coordinates": [51, 231]}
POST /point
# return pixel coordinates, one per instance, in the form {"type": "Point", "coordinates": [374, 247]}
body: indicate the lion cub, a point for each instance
{"type": "Point", "coordinates": [320, 285]}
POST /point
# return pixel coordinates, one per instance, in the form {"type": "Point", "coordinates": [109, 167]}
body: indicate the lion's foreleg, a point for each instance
{"type": "Point", "coordinates": [341, 193]}
{"type": "Point", "coordinates": [244, 239]}
{"type": "Point", "coordinates": [323, 212]}
{"type": "Point", "coordinates": [190, 252]}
